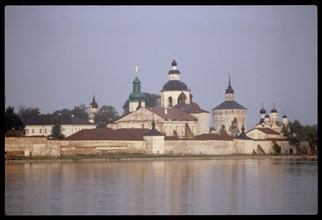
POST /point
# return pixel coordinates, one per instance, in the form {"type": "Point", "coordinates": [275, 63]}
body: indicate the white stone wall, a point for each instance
{"type": "Point", "coordinates": [174, 94]}
{"type": "Point", "coordinates": [198, 147]}
{"type": "Point", "coordinates": [203, 125]}
{"type": "Point", "coordinates": [40, 146]}
{"type": "Point", "coordinates": [45, 130]}
{"type": "Point", "coordinates": [133, 105]}
{"type": "Point", "coordinates": [225, 117]}
{"type": "Point", "coordinates": [154, 144]}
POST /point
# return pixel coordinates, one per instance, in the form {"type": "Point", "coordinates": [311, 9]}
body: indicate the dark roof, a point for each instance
{"type": "Point", "coordinates": [173, 114]}
{"type": "Point", "coordinates": [262, 111]}
{"type": "Point", "coordinates": [50, 120]}
{"type": "Point", "coordinates": [153, 131]}
{"type": "Point", "coordinates": [243, 136]}
{"type": "Point", "coordinates": [135, 134]}
{"type": "Point", "coordinates": [274, 110]}
{"type": "Point", "coordinates": [223, 137]}
{"type": "Point", "coordinates": [229, 105]}
{"type": "Point", "coordinates": [186, 107]}
{"type": "Point", "coordinates": [174, 85]}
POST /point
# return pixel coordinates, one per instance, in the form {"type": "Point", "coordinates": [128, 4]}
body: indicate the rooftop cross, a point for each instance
{"type": "Point", "coordinates": [136, 70]}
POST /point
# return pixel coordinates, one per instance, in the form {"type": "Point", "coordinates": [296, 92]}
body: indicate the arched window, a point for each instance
{"type": "Point", "coordinates": [170, 101]}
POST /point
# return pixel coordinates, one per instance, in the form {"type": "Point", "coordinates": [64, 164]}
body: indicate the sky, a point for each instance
{"type": "Point", "coordinates": [59, 56]}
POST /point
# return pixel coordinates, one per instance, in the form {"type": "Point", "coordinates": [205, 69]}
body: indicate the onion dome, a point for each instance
{"type": "Point", "coordinates": [284, 116]}
{"type": "Point", "coordinates": [93, 103]}
{"type": "Point", "coordinates": [174, 68]}
{"type": "Point", "coordinates": [273, 110]}
{"type": "Point", "coordinates": [175, 85]}
{"type": "Point", "coordinates": [229, 88]}
{"type": "Point", "coordinates": [266, 116]}
{"type": "Point", "coordinates": [174, 63]}
{"type": "Point", "coordinates": [136, 95]}
{"type": "Point", "coordinates": [262, 111]}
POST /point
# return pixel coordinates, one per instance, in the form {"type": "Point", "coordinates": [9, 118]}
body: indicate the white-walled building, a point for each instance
{"type": "Point", "coordinates": [41, 125]}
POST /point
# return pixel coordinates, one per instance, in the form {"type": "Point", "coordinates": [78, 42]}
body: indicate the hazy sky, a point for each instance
{"type": "Point", "coordinates": [57, 56]}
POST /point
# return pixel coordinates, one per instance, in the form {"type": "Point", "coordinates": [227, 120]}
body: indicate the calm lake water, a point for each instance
{"type": "Point", "coordinates": [169, 187]}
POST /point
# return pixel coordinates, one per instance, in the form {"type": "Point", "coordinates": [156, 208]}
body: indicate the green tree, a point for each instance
{"type": "Point", "coordinates": [223, 130]}
{"type": "Point", "coordinates": [293, 134]}
{"type": "Point", "coordinates": [80, 111]}
{"type": "Point", "coordinates": [56, 132]}
{"type": "Point", "coordinates": [151, 100]}
{"type": "Point", "coordinates": [233, 129]}
{"type": "Point", "coordinates": [14, 125]}
{"type": "Point", "coordinates": [64, 111]}
{"type": "Point", "coordinates": [106, 115]}
{"type": "Point", "coordinates": [27, 112]}
{"type": "Point", "coordinates": [296, 133]}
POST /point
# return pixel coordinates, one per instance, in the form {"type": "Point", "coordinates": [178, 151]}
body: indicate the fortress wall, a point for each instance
{"type": "Point", "coordinates": [101, 147]}
{"type": "Point", "coordinates": [198, 147]}
{"type": "Point", "coordinates": [40, 146]}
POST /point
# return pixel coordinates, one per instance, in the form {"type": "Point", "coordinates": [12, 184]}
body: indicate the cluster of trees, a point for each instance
{"type": "Point", "coordinates": [296, 134]}
{"type": "Point", "coordinates": [233, 128]}
{"type": "Point", "coordinates": [150, 101]}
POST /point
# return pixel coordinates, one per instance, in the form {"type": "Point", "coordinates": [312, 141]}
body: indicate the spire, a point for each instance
{"type": "Point", "coordinates": [153, 122]}
{"type": "Point", "coordinates": [229, 88]}
{"type": "Point", "coordinates": [243, 127]}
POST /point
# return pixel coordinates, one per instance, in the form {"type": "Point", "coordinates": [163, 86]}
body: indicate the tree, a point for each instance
{"type": "Point", "coordinates": [64, 111]}
{"type": "Point", "coordinates": [56, 132]}
{"type": "Point", "coordinates": [106, 115]}
{"type": "Point", "coordinates": [80, 111]}
{"type": "Point", "coordinates": [296, 133]}
{"type": "Point", "coordinates": [28, 112]}
{"type": "Point", "coordinates": [233, 129]}
{"type": "Point", "coordinates": [151, 100]}
{"type": "Point", "coordinates": [14, 125]}
{"type": "Point", "coordinates": [223, 130]}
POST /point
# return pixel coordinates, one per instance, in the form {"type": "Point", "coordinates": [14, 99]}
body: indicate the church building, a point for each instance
{"type": "Point", "coordinates": [177, 116]}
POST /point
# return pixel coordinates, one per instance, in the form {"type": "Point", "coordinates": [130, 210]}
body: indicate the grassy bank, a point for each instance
{"type": "Point", "coordinates": [133, 157]}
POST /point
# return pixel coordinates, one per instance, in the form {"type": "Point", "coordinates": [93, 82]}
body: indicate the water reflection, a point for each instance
{"type": "Point", "coordinates": [176, 187]}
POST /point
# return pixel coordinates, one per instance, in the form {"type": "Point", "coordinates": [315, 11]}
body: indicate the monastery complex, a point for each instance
{"type": "Point", "coordinates": [178, 125]}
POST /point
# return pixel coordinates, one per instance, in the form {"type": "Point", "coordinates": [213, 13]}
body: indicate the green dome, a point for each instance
{"type": "Point", "coordinates": [136, 96]}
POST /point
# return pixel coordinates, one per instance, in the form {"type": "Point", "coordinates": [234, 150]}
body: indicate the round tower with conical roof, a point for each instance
{"type": "Point", "coordinates": [136, 98]}
{"type": "Point", "coordinates": [224, 113]}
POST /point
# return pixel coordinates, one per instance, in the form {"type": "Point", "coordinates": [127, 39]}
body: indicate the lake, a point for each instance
{"type": "Point", "coordinates": [162, 187]}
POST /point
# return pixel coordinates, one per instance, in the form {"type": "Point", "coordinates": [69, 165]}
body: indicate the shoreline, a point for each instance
{"type": "Point", "coordinates": [129, 157]}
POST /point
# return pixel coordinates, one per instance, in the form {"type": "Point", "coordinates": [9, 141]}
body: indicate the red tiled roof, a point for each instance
{"type": "Point", "coordinates": [173, 114]}
{"type": "Point", "coordinates": [223, 137]}
{"type": "Point", "coordinates": [109, 134]}
{"type": "Point", "coordinates": [265, 130]}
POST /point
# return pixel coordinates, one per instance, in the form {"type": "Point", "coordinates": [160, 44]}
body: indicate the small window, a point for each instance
{"type": "Point", "coordinates": [45, 130]}
{"type": "Point", "coordinates": [32, 131]}
{"type": "Point", "coordinates": [40, 131]}
{"type": "Point", "coordinates": [27, 131]}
